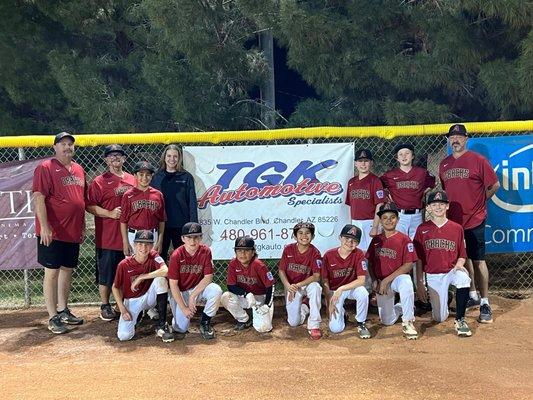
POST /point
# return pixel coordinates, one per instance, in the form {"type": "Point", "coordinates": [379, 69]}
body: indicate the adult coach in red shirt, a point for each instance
{"type": "Point", "coordinates": [469, 181]}
{"type": "Point", "coordinates": [59, 197]}
{"type": "Point", "coordinates": [103, 201]}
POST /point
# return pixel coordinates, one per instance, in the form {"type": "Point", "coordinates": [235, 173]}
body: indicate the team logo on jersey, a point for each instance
{"type": "Point", "coordinates": [145, 204]}
{"type": "Point", "coordinates": [341, 273]}
{"type": "Point", "coordinates": [269, 276]}
{"type": "Point", "coordinates": [159, 260]}
{"type": "Point", "coordinates": [72, 180]}
{"type": "Point", "coordinates": [319, 264]}
{"type": "Point", "coordinates": [380, 194]}
{"type": "Point", "coordinates": [364, 265]}
{"type": "Point", "coordinates": [456, 173]}
{"type": "Point", "coordinates": [298, 268]}
{"type": "Point", "coordinates": [410, 247]}
{"type": "Point", "coordinates": [359, 194]}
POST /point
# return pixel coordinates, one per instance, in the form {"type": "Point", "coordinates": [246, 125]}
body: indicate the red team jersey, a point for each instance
{"type": "Point", "coordinates": [439, 248]}
{"type": "Point", "coordinates": [387, 254]}
{"type": "Point", "coordinates": [64, 193]}
{"type": "Point", "coordinates": [190, 270]}
{"type": "Point", "coordinates": [106, 191]}
{"type": "Point", "coordinates": [407, 188]}
{"type": "Point", "coordinates": [255, 278]}
{"type": "Point", "coordinates": [299, 266]}
{"type": "Point", "coordinates": [143, 210]}
{"type": "Point", "coordinates": [465, 180]}
{"type": "Point", "coordinates": [128, 269]}
{"type": "Point", "coordinates": [363, 195]}
{"type": "Point", "coordinates": [339, 271]}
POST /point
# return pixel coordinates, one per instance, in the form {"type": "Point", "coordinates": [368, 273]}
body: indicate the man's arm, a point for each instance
{"type": "Point", "coordinates": [492, 189]}
{"type": "Point", "coordinates": [385, 282]}
{"type": "Point", "coordinates": [42, 216]}
{"type": "Point", "coordinates": [125, 242]}
{"type": "Point", "coordinates": [103, 213]}
{"type": "Point", "coordinates": [161, 231]}
{"type": "Point", "coordinates": [124, 312]}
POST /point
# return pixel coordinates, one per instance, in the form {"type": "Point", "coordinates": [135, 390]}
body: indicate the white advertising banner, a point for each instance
{"type": "Point", "coordinates": [263, 191]}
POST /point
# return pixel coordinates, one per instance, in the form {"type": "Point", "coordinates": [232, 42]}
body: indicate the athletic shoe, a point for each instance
{"type": "Point", "coordinates": [241, 326]}
{"type": "Point", "coordinates": [153, 313]}
{"type": "Point", "coordinates": [485, 314]}
{"type": "Point", "coordinates": [462, 328]}
{"type": "Point", "coordinates": [363, 331]}
{"type": "Point", "coordinates": [56, 326]}
{"type": "Point", "coordinates": [165, 333]}
{"type": "Point", "coordinates": [68, 318]}
{"type": "Point", "coordinates": [107, 313]}
{"type": "Point", "coordinates": [409, 330]}
{"type": "Point", "coordinates": [315, 334]}
{"type": "Point", "coordinates": [206, 330]}
{"type": "Point", "coordinates": [470, 303]}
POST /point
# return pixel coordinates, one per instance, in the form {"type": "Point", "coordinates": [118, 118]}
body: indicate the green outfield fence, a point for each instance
{"type": "Point", "coordinates": [510, 274]}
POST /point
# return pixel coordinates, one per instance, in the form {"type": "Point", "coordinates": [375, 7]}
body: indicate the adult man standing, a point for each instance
{"type": "Point", "coordinates": [59, 196]}
{"type": "Point", "coordinates": [470, 181]}
{"type": "Point", "coordinates": [103, 201]}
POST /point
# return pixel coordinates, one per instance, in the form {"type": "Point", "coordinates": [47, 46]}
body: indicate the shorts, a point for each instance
{"type": "Point", "coordinates": [58, 254]}
{"type": "Point", "coordinates": [106, 265]}
{"type": "Point", "coordinates": [475, 242]}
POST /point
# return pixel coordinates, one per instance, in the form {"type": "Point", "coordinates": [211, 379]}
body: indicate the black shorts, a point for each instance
{"type": "Point", "coordinates": [58, 254]}
{"type": "Point", "coordinates": [475, 242]}
{"type": "Point", "coordinates": [106, 265]}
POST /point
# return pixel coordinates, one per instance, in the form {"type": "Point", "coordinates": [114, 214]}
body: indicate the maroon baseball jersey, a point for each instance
{"type": "Point", "coordinates": [255, 278]}
{"type": "Point", "coordinates": [387, 254]}
{"type": "Point", "coordinates": [363, 195]}
{"type": "Point", "coordinates": [190, 270]}
{"type": "Point", "coordinates": [64, 193]}
{"type": "Point", "coordinates": [106, 191]}
{"type": "Point", "coordinates": [465, 181]}
{"type": "Point", "coordinates": [407, 188]}
{"type": "Point", "coordinates": [439, 247]}
{"type": "Point", "coordinates": [340, 271]}
{"type": "Point", "coordinates": [299, 266]}
{"type": "Point", "coordinates": [129, 269]}
{"type": "Point", "coordinates": [143, 210]}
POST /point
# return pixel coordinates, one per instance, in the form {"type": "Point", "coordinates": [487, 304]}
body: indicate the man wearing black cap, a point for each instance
{"type": "Point", "coordinates": [469, 181]}
{"type": "Point", "coordinates": [103, 201]}
{"type": "Point", "coordinates": [59, 193]}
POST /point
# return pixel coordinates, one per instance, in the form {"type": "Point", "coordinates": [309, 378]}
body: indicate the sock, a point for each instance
{"type": "Point", "coordinates": [162, 308]}
{"type": "Point", "coordinates": [474, 295]}
{"type": "Point", "coordinates": [484, 300]}
{"type": "Point", "coordinates": [205, 318]}
{"type": "Point", "coordinates": [461, 297]}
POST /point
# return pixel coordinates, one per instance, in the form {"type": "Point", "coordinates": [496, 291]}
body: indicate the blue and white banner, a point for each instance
{"type": "Point", "coordinates": [263, 191]}
{"type": "Point", "coordinates": [510, 221]}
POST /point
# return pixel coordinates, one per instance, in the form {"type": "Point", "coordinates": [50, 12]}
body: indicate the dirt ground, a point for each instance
{"type": "Point", "coordinates": [90, 363]}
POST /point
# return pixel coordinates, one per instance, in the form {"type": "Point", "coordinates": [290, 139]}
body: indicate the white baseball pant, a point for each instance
{"type": "Point", "coordinates": [407, 223]}
{"type": "Point", "coordinates": [126, 329]}
{"type": "Point", "coordinates": [360, 295]}
{"type": "Point", "coordinates": [236, 304]}
{"type": "Point", "coordinates": [296, 314]}
{"type": "Point", "coordinates": [211, 295]}
{"type": "Point", "coordinates": [438, 285]}
{"type": "Point", "coordinates": [366, 226]}
{"type": "Point", "coordinates": [388, 312]}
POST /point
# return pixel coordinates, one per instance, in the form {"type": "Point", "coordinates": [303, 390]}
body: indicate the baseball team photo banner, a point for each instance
{"type": "Point", "coordinates": [263, 191]}
{"type": "Point", "coordinates": [509, 226]}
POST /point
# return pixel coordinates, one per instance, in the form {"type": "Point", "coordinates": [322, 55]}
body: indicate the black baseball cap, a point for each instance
{"type": "Point", "coordinates": [363, 153]}
{"type": "Point", "coordinates": [114, 148]}
{"type": "Point", "coordinates": [457, 129]}
{"type": "Point", "coordinates": [437, 196]}
{"type": "Point", "coordinates": [62, 135]}
{"type": "Point", "coordinates": [401, 146]}
{"type": "Point", "coordinates": [144, 236]}
{"type": "Point", "coordinates": [143, 165]}
{"type": "Point", "coordinates": [244, 242]}
{"type": "Point", "coordinates": [388, 207]}
{"type": "Point", "coordinates": [352, 231]}
{"type": "Point", "coordinates": [301, 225]}
{"type": "Point", "coordinates": [191, 229]}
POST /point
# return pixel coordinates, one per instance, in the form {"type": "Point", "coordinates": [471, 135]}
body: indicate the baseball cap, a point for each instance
{"type": "Point", "coordinates": [437, 196]}
{"type": "Point", "coordinates": [144, 236]}
{"type": "Point", "coordinates": [363, 153]}
{"type": "Point", "coordinates": [301, 225]}
{"type": "Point", "coordinates": [114, 148]}
{"type": "Point", "coordinates": [62, 135]}
{"type": "Point", "coordinates": [244, 242]}
{"type": "Point", "coordinates": [143, 165]}
{"type": "Point", "coordinates": [352, 231]}
{"type": "Point", "coordinates": [191, 229]}
{"type": "Point", "coordinates": [388, 207]}
{"type": "Point", "coordinates": [401, 146]}
{"type": "Point", "coordinates": [457, 129]}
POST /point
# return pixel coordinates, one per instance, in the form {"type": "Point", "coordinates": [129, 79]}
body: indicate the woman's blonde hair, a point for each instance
{"type": "Point", "coordinates": [163, 165]}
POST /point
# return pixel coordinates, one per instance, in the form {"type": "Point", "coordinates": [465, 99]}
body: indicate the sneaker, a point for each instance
{"type": "Point", "coordinates": [315, 334]}
{"type": "Point", "coordinates": [470, 303]}
{"type": "Point", "coordinates": [165, 333]}
{"type": "Point", "coordinates": [462, 328]}
{"type": "Point", "coordinates": [107, 313]}
{"type": "Point", "coordinates": [241, 326]}
{"type": "Point", "coordinates": [68, 318]}
{"type": "Point", "coordinates": [363, 331]}
{"type": "Point", "coordinates": [56, 326]}
{"type": "Point", "coordinates": [409, 330]}
{"type": "Point", "coordinates": [485, 314]}
{"type": "Point", "coordinates": [153, 313]}
{"type": "Point", "coordinates": [206, 330]}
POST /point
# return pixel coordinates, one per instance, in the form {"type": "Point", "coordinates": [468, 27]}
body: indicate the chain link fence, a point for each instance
{"type": "Point", "coordinates": [510, 274]}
